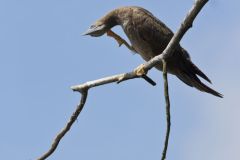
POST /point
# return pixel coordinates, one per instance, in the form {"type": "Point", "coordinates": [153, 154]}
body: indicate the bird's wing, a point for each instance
{"type": "Point", "coordinates": [152, 30]}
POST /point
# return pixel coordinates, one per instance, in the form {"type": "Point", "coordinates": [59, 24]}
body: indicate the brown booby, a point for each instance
{"type": "Point", "coordinates": [149, 37]}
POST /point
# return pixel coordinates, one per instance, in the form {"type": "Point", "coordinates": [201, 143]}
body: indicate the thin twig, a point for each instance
{"type": "Point", "coordinates": [111, 79]}
{"type": "Point", "coordinates": [61, 134]}
{"type": "Point", "coordinates": [168, 113]}
{"type": "Point", "coordinates": [149, 80]}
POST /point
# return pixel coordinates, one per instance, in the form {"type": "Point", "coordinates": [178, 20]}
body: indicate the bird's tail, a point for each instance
{"type": "Point", "coordinates": [187, 72]}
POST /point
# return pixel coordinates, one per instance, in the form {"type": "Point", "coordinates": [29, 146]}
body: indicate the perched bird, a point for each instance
{"type": "Point", "coordinates": [149, 37]}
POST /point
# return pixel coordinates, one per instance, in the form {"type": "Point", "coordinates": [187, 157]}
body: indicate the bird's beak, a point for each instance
{"type": "Point", "coordinates": [94, 31]}
{"type": "Point", "coordinates": [88, 32]}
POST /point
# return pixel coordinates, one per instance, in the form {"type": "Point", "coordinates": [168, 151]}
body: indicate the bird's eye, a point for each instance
{"type": "Point", "coordinates": [92, 26]}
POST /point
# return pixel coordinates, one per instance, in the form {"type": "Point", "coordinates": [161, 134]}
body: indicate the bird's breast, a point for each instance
{"type": "Point", "coordinates": [140, 45]}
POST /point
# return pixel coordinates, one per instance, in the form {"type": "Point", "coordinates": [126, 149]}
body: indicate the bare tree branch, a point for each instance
{"type": "Point", "coordinates": [83, 88]}
{"type": "Point", "coordinates": [61, 134]}
{"type": "Point", "coordinates": [102, 81]}
{"type": "Point", "coordinates": [187, 23]}
{"type": "Point", "coordinates": [168, 115]}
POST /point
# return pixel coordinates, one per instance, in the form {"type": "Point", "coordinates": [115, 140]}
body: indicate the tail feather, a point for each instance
{"type": "Point", "coordinates": [188, 66]}
{"type": "Point", "coordinates": [199, 72]}
{"type": "Point", "coordinates": [194, 81]}
{"type": "Point", "coordinates": [189, 76]}
{"type": "Point", "coordinates": [201, 86]}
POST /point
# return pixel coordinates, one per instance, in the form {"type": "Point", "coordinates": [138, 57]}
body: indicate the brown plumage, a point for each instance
{"type": "Point", "coordinates": [149, 37]}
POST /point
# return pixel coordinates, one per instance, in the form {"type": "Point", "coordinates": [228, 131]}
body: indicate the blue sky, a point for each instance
{"type": "Point", "coordinates": [42, 54]}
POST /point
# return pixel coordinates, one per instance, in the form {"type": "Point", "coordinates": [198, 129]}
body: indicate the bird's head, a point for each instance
{"type": "Point", "coordinates": [97, 29]}
{"type": "Point", "coordinates": [101, 26]}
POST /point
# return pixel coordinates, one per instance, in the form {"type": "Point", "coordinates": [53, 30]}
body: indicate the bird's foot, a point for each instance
{"type": "Point", "coordinates": [120, 40]}
{"type": "Point", "coordinates": [140, 70]}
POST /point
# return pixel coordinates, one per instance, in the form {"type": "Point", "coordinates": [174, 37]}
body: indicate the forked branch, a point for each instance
{"type": "Point", "coordinates": [83, 88]}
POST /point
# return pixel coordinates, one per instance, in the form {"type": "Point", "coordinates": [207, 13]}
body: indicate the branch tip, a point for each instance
{"type": "Point", "coordinates": [149, 80]}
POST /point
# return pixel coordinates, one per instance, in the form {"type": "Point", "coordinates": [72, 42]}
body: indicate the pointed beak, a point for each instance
{"type": "Point", "coordinates": [89, 31]}
{"type": "Point", "coordinates": [95, 31]}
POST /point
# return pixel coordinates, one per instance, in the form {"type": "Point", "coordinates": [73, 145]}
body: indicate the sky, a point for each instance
{"type": "Point", "coordinates": [43, 54]}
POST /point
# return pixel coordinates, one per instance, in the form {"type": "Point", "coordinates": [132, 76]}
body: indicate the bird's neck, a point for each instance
{"type": "Point", "coordinates": [116, 17]}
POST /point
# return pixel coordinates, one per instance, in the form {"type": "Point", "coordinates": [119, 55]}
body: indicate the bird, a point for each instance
{"type": "Point", "coordinates": [148, 37]}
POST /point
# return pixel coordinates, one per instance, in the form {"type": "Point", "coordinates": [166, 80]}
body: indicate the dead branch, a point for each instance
{"type": "Point", "coordinates": [61, 134]}
{"type": "Point", "coordinates": [168, 115]}
{"type": "Point", "coordinates": [83, 88]}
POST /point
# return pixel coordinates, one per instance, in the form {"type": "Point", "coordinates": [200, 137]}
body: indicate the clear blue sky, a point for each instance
{"type": "Point", "coordinates": [42, 54]}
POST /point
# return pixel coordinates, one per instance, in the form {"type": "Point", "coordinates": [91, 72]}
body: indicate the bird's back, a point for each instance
{"type": "Point", "coordinates": [149, 37]}
{"type": "Point", "coordinates": [147, 34]}
{"type": "Point", "coordinates": [145, 26]}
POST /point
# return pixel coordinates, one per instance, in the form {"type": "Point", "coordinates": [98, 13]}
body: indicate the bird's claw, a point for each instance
{"type": "Point", "coordinates": [120, 40]}
{"type": "Point", "coordinates": [140, 70]}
